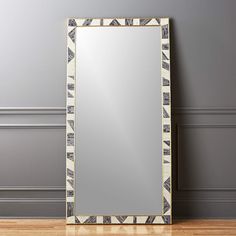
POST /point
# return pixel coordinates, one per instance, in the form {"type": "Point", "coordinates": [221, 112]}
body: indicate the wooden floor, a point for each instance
{"type": "Point", "coordinates": [59, 228]}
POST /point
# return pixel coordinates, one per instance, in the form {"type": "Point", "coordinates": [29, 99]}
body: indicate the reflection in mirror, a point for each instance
{"type": "Point", "coordinates": [118, 121]}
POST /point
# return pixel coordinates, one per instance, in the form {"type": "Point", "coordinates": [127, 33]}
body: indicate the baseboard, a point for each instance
{"type": "Point", "coordinates": [33, 209]}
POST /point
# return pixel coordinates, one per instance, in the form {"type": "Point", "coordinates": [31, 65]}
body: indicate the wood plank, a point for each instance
{"type": "Point", "coordinates": [36, 227]}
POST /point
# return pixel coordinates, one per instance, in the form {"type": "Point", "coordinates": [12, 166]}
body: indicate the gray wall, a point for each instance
{"type": "Point", "coordinates": [32, 101]}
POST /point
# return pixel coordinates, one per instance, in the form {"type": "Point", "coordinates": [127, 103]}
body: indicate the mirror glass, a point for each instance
{"type": "Point", "coordinates": [118, 120]}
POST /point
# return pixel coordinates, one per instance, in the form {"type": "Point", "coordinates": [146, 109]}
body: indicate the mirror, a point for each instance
{"type": "Point", "coordinates": [118, 121]}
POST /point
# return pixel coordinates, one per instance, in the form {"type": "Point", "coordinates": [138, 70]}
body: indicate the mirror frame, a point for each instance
{"type": "Point", "coordinates": [166, 216]}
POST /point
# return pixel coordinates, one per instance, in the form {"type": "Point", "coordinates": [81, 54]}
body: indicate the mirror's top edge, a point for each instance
{"type": "Point", "coordinates": [113, 18]}
{"type": "Point", "coordinates": [128, 21]}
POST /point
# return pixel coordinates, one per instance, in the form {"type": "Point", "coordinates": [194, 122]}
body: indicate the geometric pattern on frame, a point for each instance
{"type": "Point", "coordinates": [165, 218]}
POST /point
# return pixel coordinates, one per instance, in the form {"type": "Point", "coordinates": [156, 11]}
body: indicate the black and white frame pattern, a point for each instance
{"type": "Point", "coordinates": [165, 218]}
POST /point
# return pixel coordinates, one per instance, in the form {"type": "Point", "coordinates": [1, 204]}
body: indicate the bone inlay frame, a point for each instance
{"type": "Point", "coordinates": [165, 218]}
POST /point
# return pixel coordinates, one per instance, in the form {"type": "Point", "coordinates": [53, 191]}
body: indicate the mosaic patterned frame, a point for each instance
{"type": "Point", "coordinates": [165, 218]}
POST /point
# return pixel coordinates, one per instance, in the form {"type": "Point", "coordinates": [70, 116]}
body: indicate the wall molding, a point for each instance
{"type": "Point", "coordinates": [62, 110]}
{"type": "Point", "coordinates": [32, 188]}
{"type": "Point", "coordinates": [199, 125]}
{"type": "Point", "coordinates": [32, 200]}
{"type": "Point", "coordinates": [204, 110]}
{"type": "Point", "coordinates": [205, 189]}
{"type": "Point", "coordinates": [220, 200]}
{"type": "Point", "coordinates": [179, 188]}
{"type": "Point", "coordinates": [32, 111]}
{"type": "Point", "coordinates": [32, 126]}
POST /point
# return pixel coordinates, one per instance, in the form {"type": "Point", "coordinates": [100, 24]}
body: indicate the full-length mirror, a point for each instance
{"type": "Point", "coordinates": [118, 121]}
